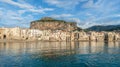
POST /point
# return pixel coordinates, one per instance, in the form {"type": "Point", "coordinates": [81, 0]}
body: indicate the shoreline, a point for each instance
{"type": "Point", "coordinates": [49, 41]}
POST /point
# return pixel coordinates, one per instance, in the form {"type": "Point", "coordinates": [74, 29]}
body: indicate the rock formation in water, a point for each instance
{"type": "Point", "coordinates": [48, 23]}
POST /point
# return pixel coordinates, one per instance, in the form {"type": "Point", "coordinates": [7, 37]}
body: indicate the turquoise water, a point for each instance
{"type": "Point", "coordinates": [60, 54]}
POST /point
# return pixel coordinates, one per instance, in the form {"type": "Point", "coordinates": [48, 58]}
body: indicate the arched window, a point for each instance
{"type": "Point", "coordinates": [4, 36]}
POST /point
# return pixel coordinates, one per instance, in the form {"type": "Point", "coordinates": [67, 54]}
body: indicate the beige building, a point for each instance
{"type": "Point", "coordinates": [2, 36]}
{"type": "Point", "coordinates": [111, 36]}
{"type": "Point", "coordinates": [97, 36]}
{"type": "Point", "coordinates": [117, 36]}
{"type": "Point", "coordinates": [57, 35]}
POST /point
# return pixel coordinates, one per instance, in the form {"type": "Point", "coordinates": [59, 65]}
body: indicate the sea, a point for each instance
{"type": "Point", "coordinates": [59, 54]}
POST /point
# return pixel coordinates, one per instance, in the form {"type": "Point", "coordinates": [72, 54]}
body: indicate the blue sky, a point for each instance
{"type": "Point", "coordinates": [85, 12]}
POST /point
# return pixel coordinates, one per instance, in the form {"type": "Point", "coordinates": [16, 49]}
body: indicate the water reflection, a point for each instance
{"type": "Point", "coordinates": [63, 54]}
{"type": "Point", "coordinates": [59, 48]}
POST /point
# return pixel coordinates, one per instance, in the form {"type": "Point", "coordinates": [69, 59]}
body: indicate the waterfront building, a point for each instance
{"type": "Point", "coordinates": [56, 35]}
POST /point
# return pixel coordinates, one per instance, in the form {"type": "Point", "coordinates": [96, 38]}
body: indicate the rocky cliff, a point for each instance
{"type": "Point", "coordinates": [48, 23]}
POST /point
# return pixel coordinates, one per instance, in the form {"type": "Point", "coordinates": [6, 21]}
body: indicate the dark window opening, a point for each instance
{"type": "Point", "coordinates": [27, 38]}
{"type": "Point", "coordinates": [4, 37]}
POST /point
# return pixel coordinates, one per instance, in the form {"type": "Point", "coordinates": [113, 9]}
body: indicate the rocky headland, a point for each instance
{"type": "Point", "coordinates": [49, 29]}
{"type": "Point", "coordinates": [48, 23]}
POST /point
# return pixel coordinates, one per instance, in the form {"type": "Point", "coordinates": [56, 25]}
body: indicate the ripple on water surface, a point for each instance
{"type": "Point", "coordinates": [60, 54]}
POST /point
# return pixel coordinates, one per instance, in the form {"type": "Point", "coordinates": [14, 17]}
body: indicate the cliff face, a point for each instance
{"type": "Point", "coordinates": [52, 24]}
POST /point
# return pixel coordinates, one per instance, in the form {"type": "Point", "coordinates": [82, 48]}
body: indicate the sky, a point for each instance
{"type": "Point", "coordinates": [86, 13]}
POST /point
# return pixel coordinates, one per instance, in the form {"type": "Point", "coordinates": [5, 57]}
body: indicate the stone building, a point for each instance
{"type": "Point", "coordinates": [56, 35]}
{"type": "Point", "coordinates": [45, 35]}
{"type": "Point", "coordinates": [117, 36]}
{"type": "Point", "coordinates": [83, 36]}
{"type": "Point", "coordinates": [2, 36]}
{"type": "Point", "coordinates": [10, 33]}
{"type": "Point", "coordinates": [30, 34]}
{"type": "Point", "coordinates": [68, 36]}
{"type": "Point", "coordinates": [100, 36]}
{"type": "Point", "coordinates": [79, 36]}
{"type": "Point", "coordinates": [92, 36]}
{"type": "Point", "coordinates": [75, 36]}
{"type": "Point", "coordinates": [14, 33]}
{"type": "Point", "coordinates": [97, 36]}
{"type": "Point", "coordinates": [111, 36]}
{"type": "Point", "coordinates": [19, 34]}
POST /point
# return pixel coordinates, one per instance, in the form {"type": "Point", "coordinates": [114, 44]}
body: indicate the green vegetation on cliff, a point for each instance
{"type": "Point", "coordinates": [104, 28]}
{"type": "Point", "coordinates": [49, 19]}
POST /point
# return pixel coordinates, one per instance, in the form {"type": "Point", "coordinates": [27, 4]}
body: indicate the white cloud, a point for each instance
{"type": "Point", "coordinates": [11, 18]}
{"type": "Point", "coordinates": [104, 6]}
{"type": "Point", "coordinates": [21, 11]}
{"type": "Point", "coordinates": [77, 20]}
{"type": "Point", "coordinates": [0, 13]}
{"type": "Point", "coordinates": [107, 17]}
{"type": "Point", "coordinates": [40, 10]}
{"type": "Point", "coordinates": [88, 4]}
{"type": "Point", "coordinates": [92, 4]}
{"type": "Point", "coordinates": [67, 4]}
{"type": "Point", "coordinates": [92, 13]}
{"type": "Point", "coordinates": [27, 6]}
{"type": "Point", "coordinates": [68, 17]}
{"type": "Point", "coordinates": [101, 12]}
{"type": "Point", "coordinates": [61, 15]}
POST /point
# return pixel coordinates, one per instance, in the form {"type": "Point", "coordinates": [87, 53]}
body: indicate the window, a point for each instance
{"type": "Point", "coordinates": [4, 36]}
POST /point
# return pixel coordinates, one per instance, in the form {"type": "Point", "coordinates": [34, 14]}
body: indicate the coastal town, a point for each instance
{"type": "Point", "coordinates": [49, 29]}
